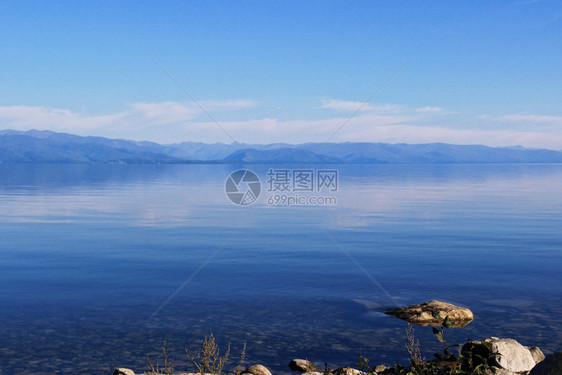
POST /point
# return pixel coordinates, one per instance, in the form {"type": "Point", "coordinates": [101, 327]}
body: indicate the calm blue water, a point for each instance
{"type": "Point", "coordinates": [99, 265]}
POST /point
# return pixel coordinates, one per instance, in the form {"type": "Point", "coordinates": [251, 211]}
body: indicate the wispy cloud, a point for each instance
{"type": "Point", "coordinates": [159, 113]}
{"type": "Point", "coordinates": [351, 106]}
{"type": "Point", "coordinates": [342, 105]}
{"type": "Point", "coordinates": [28, 117]}
{"type": "Point", "coordinates": [222, 105]}
{"type": "Point", "coordinates": [135, 117]}
{"type": "Point", "coordinates": [524, 117]}
{"type": "Point", "coordinates": [430, 109]}
{"type": "Point", "coordinates": [170, 122]}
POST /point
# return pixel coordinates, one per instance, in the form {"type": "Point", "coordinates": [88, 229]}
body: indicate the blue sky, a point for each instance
{"type": "Point", "coordinates": [288, 71]}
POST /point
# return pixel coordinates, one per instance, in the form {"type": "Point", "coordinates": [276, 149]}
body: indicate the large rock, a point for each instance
{"type": "Point", "coordinates": [123, 371]}
{"type": "Point", "coordinates": [257, 370]}
{"type": "Point", "coordinates": [302, 365]}
{"type": "Point", "coordinates": [513, 357]}
{"type": "Point", "coordinates": [500, 371]}
{"type": "Point", "coordinates": [423, 314]}
{"type": "Point", "coordinates": [536, 353]}
{"type": "Point", "coordinates": [551, 365]}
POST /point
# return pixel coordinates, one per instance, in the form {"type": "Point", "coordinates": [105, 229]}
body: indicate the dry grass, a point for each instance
{"type": "Point", "coordinates": [208, 358]}
{"type": "Point", "coordinates": [413, 346]}
{"type": "Point", "coordinates": [168, 367]}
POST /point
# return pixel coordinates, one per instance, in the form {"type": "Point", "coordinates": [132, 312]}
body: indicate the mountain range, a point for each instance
{"type": "Point", "coordinates": [42, 146]}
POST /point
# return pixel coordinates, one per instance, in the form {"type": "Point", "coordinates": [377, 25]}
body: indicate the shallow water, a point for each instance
{"type": "Point", "coordinates": [100, 264]}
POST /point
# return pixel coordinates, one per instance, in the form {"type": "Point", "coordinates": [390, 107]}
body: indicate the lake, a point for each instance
{"type": "Point", "coordinates": [100, 265]}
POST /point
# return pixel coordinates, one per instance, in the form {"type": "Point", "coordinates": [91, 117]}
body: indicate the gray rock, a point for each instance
{"type": "Point", "coordinates": [551, 365]}
{"type": "Point", "coordinates": [500, 371]}
{"type": "Point", "coordinates": [257, 370]}
{"type": "Point", "coordinates": [422, 314]}
{"type": "Point", "coordinates": [302, 365]}
{"type": "Point", "coordinates": [346, 371]}
{"type": "Point", "coordinates": [123, 371]}
{"type": "Point", "coordinates": [536, 353]}
{"type": "Point", "coordinates": [513, 356]}
{"type": "Point", "coordinates": [380, 368]}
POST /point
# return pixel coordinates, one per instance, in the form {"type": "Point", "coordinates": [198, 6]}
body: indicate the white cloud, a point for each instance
{"type": "Point", "coordinates": [348, 106]}
{"type": "Point", "coordinates": [430, 109]}
{"type": "Point", "coordinates": [27, 117]}
{"type": "Point", "coordinates": [221, 105]}
{"type": "Point", "coordinates": [170, 122]}
{"type": "Point", "coordinates": [135, 118]}
{"type": "Point", "coordinates": [160, 113]}
{"type": "Point", "coordinates": [523, 117]}
{"type": "Point", "coordinates": [430, 134]}
{"type": "Point", "coordinates": [342, 105]}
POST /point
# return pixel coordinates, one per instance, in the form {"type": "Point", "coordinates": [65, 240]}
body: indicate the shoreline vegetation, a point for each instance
{"type": "Point", "coordinates": [502, 356]}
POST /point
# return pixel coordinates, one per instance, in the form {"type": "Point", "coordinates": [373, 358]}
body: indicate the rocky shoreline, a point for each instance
{"type": "Point", "coordinates": [501, 356]}
{"type": "Point", "coordinates": [512, 359]}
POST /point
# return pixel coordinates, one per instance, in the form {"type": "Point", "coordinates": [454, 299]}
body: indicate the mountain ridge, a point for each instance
{"type": "Point", "coordinates": [44, 146]}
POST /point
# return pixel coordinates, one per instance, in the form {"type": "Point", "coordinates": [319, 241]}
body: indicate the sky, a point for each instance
{"type": "Point", "coordinates": [462, 72]}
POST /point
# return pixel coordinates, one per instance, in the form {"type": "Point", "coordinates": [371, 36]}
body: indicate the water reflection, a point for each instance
{"type": "Point", "coordinates": [88, 253]}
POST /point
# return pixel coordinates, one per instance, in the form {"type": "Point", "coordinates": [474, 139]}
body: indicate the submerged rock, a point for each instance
{"type": "Point", "coordinates": [302, 365]}
{"type": "Point", "coordinates": [551, 365]}
{"type": "Point", "coordinates": [424, 314]}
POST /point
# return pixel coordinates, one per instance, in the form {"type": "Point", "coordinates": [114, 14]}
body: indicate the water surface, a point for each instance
{"type": "Point", "coordinates": [100, 264]}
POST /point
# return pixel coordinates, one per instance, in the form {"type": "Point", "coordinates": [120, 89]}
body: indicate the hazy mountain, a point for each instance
{"type": "Point", "coordinates": [280, 155]}
{"type": "Point", "coordinates": [49, 147]}
{"type": "Point", "coordinates": [432, 153]}
{"type": "Point", "coordinates": [216, 151]}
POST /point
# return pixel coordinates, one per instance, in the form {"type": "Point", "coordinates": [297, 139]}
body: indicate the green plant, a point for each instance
{"type": "Point", "coordinates": [363, 363]}
{"type": "Point", "coordinates": [475, 358]}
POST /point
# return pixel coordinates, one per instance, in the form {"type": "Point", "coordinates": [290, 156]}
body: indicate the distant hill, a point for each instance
{"type": "Point", "coordinates": [36, 146]}
{"type": "Point", "coordinates": [432, 153]}
{"type": "Point", "coordinates": [50, 147]}
{"type": "Point", "coordinates": [280, 155]}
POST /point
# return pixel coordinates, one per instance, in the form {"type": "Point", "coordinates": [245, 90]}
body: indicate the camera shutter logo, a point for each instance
{"type": "Point", "coordinates": [243, 187]}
